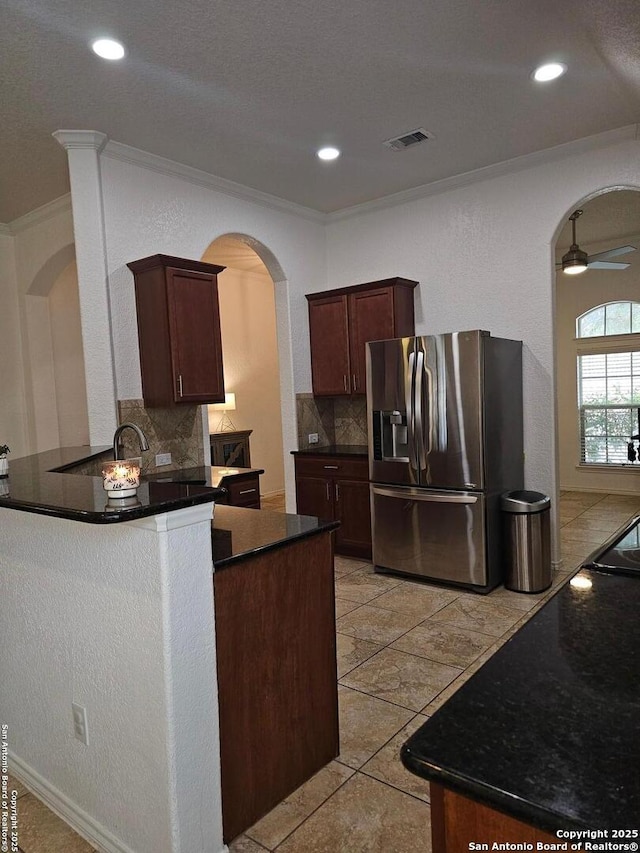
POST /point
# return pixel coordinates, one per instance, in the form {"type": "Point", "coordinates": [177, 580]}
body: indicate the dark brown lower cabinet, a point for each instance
{"type": "Point", "coordinates": [277, 685]}
{"type": "Point", "coordinates": [457, 821]}
{"type": "Point", "coordinates": [337, 489]}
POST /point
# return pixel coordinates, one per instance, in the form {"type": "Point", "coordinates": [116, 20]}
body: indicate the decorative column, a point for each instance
{"type": "Point", "coordinates": [83, 150]}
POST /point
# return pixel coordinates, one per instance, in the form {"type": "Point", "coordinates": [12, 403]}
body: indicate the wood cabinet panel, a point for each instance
{"type": "Point", "coordinates": [456, 821]}
{"type": "Point", "coordinates": [277, 685]}
{"type": "Point", "coordinates": [244, 491]}
{"type": "Point", "coordinates": [353, 511]}
{"type": "Point", "coordinates": [329, 341]}
{"type": "Point", "coordinates": [194, 322]}
{"type": "Point", "coordinates": [337, 488]}
{"type": "Point", "coordinates": [314, 496]}
{"type": "Point", "coordinates": [341, 322]}
{"type": "Point", "coordinates": [371, 318]}
{"type": "Point", "coordinates": [178, 330]}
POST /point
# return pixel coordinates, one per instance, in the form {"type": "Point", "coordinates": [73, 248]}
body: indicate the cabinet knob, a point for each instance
{"type": "Point", "coordinates": [247, 491]}
{"type": "Point", "coordinates": [355, 383]}
{"type": "Point", "coordinates": [332, 467]}
{"type": "Point", "coordinates": [328, 492]}
{"type": "Point", "coordinates": [337, 492]}
{"type": "Point", "coordinates": [180, 385]}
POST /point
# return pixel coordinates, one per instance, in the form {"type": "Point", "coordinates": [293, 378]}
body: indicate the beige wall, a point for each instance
{"type": "Point", "coordinates": [574, 296]}
{"type": "Point", "coordinates": [68, 359]}
{"type": "Point", "coordinates": [250, 352]}
{"type": "Point", "coordinates": [13, 416]}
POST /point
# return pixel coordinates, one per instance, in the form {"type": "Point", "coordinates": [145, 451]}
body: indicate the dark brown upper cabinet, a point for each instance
{"type": "Point", "coordinates": [178, 330]}
{"type": "Point", "coordinates": [342, 321]}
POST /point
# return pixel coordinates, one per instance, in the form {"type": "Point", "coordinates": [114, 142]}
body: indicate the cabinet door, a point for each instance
{"type": "Point", "coordinates": [352, 510]}
{"type": "Point", "coordinates": [196, 346]}
{"type": "Point", "coordinates": [370, 319]}
{"type": "Point", "coordinates": [329, 339]}
{"type": "Point", "coordinates": [314, 496]}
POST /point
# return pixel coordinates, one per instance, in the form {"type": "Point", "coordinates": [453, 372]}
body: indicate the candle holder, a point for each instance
{"type": "Point", "coordinates": [121, 478]}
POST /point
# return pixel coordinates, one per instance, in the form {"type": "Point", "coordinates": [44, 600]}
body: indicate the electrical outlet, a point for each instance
{"type": "Point", "coordinates": [163, 459]}
{"type": "Point", "coordinates": [80, 728]}
{"type": "Point", "coordinates": [313, 438]}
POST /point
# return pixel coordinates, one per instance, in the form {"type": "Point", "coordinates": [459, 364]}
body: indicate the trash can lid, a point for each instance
{"type": "Point", "coordinates": [524, 501]}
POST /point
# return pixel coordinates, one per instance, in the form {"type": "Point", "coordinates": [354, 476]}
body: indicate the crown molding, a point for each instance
{"type": "Point", "coordinates": [41, 214]}
{"type": "Point", "coordinates": [506, 167]}
{"type": "Point", "coordinates": [163, 166]}
{"type": "Point", "coordinates": [80, 139]}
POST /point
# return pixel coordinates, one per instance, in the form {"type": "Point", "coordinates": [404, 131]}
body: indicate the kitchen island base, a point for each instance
{"type": "Point", "coordinates": [276, 657]}
{"type": "Point", "coordinates": [458, 823]}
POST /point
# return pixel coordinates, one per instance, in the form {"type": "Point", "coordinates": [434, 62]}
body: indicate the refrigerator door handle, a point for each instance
{"type": "Point", "coordinates": [422, 453]}
{"type": "Point", "coordinates": [412, 495]}
{"type": "Point", "coordinates": [410, 398]}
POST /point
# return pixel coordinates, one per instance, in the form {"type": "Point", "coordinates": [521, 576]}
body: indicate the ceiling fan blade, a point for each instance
{"type": "Point", "coordinates": [611, 253]}
{"type": "Point", "coordinates": [605, 265]}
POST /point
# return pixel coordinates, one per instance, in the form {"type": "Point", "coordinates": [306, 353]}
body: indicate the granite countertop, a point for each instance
{"type": "Point", "coordinates": [213, 475]}
{"type": "Point", "coordinates": [548, 730]}
{"type": "Point", "coordinates": [36, 484]}
{"type": "Point", "coordinates": [334, 450]}
{"type": "Point", "coordinates": [239, 533]}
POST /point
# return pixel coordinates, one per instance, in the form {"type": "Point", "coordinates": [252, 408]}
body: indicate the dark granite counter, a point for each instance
{"type": "Point", "coordinates": [213, 476]}
{"type": "Point", "coordinates": [334, 450]}
{"type": "Point", "coordinates": [548, 730]}
{"type": "Point", "coordinates": [239, 533]}
{"type": "Point", "coordinates": [37, 484]}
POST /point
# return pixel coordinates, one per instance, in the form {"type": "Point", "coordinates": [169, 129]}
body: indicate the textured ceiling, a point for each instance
{"type": "Point", "coordinates": [247, 90]}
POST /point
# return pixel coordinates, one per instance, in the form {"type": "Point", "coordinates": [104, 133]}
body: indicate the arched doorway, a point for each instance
{"type": "Point", "coordinates": [247, 292]}
{"type": "Point", "coordinates": [595, 388]}
{"type": "Point", "coordinates": [54, 359]}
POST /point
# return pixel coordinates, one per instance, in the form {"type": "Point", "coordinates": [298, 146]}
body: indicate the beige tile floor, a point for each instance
{"type": "Point", "coordinates": [404, 648]}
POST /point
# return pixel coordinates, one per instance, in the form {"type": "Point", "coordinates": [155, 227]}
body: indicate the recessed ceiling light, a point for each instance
{"type": "Point", "coordinates": [328, 153]}
{"type": "Point", "coordinates": [108, 48]}
{"type": "Point", "coordinates": [550, 71]}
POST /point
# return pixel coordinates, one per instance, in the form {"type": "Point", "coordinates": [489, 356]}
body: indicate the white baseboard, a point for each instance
{"type": "Point", "coordinates": [86, 826]}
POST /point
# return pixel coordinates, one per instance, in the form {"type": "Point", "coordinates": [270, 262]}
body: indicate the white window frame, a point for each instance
{"type": "Point", "coordinates": [597, 346]}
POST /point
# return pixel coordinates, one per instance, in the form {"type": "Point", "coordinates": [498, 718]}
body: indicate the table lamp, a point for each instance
{"type": "Point", "coordinates": [229, 405]}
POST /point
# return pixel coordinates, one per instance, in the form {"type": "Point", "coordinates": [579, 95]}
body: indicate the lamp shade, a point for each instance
{"type": "Point", "coordinates": [229, 404]}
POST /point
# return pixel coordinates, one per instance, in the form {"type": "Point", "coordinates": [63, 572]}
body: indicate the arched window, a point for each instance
{"type": "Point", "coordinates": [614, 318]}
{"type": "Point", "coordinates": [609, 384]}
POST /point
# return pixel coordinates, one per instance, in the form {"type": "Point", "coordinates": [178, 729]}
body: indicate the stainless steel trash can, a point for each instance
{"type": "Point", "coordinates": [526, 540]}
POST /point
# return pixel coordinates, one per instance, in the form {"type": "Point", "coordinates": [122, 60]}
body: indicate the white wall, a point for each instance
{"type": "Point", "coordinates": [93, 614]}
{"type": "Point", "coordinates": [483, 255]}
{"type": "Point", "coordinates": [147, 211]}
{"type": "Point", "coordinates": [250, 350]}
{"type": "Point", "coordinates": [574, 296]}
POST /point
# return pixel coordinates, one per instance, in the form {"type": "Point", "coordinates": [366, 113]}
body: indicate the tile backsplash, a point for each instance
{"type": "Point", "coordinates": [337, 420]}
{"type": "Point", "coordinates": [177, 431]}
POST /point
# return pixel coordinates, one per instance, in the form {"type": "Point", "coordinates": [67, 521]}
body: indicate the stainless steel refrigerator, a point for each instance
{"type": "Point", "coordinates": [445, 440]}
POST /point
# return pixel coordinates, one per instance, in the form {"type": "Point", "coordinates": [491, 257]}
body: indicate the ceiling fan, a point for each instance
{"type": "Point", "coordinates": [576, 261]}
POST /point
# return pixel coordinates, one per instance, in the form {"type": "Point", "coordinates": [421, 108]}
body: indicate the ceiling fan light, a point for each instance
{"type": "Point", "coordinates": [575, 261]}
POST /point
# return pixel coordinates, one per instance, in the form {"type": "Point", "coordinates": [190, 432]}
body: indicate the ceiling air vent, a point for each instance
{"type": "Point", "coordinates": [399, 143]}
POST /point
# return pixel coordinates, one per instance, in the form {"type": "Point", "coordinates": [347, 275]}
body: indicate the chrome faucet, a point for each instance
{"type": "Point", "coordinates": [144, 444]}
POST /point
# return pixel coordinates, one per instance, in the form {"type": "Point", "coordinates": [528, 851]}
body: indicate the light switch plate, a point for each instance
{"type": "Point", "coordinates": [163, 459]}
{"type": "Point", "coordinates": [313, 438]}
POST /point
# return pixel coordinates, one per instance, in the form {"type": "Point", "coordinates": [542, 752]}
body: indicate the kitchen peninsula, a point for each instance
{"type": "Point", "coordinates": [117, 616]}
{"type": "Point", "coordinates": [545, 737]}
